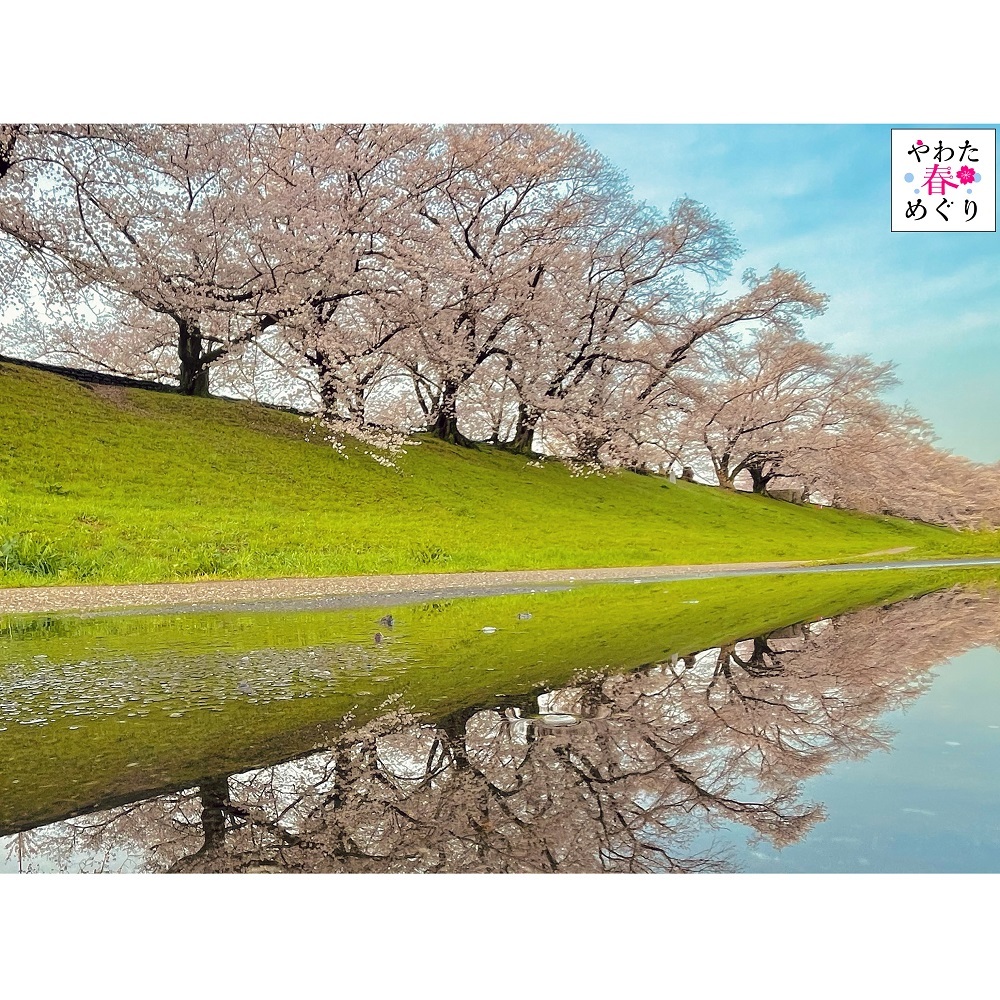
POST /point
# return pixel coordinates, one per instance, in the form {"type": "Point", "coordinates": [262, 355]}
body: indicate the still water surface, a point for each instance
{"type": "Point", "coordinates": [780, 725]}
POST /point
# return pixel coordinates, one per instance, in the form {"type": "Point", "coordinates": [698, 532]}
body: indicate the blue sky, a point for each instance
{"type": "Point", "coordinates": [815, 198]}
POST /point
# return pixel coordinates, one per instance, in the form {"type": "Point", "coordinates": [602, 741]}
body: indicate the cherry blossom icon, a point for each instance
{"type": "Point", "coordinates": [966, 175]}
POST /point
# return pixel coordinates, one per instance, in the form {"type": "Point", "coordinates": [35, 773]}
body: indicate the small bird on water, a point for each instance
{"type": "Point", "coordinates": [378, 638]}
{"type": "Point", "coordinates": [387, 620]}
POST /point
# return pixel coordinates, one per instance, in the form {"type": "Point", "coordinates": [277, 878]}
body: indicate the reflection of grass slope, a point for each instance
{"type": "Point", "coordinates": [437, 661]}
{"type": "Point", "coordinates": [152, 486]}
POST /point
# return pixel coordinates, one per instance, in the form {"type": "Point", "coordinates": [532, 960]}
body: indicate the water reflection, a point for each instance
{"type": "Point", "coordinates": [616, 772]}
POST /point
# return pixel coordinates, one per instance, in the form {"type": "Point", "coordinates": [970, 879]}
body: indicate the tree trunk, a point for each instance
{"type": "Point", "coordinates": [720, 465]}
{"type": "Point", "coordinates": [445, 425]}
{"type": "Point", "coordinates": [588, 448]}
{"type": "Point", "coordinates": [760, 480]}
{"type": "Point", "coordinates": [725, 480]}
{"type": "Point", "coordinates": [214, 803]}
{"type": "Point", "coordinates": [8, 140]}
{"type": "Point", "coordinates": [453, 729]}
{"type": "Point", "coordinates": [524, 433]}
{"type": "Point", "coordinates": [193, 364]}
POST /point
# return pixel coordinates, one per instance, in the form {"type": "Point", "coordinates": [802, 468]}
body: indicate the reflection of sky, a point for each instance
{"type": "Point", "coordinates": [814, 198]}
{"type": "Point", "coordinates": [931, 804]}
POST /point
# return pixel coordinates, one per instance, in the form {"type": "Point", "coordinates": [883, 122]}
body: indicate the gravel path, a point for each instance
{"type": "Point", "coordinates": [354, 590]}
{"type": "Point", "coordinates": [211, 592]}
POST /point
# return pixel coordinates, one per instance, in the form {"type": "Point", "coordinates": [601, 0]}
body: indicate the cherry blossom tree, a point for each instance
{"type": "Point", "coordinates": [893, 466]}
{"type": "Point", "coordinates": [619, 284]}
{"type": "Point", "coordinates": [336, 226]}
{"type": "Point", "coordinates": [648, 381]}
{"type": "Point", "coordinates": [766, 402]}
{"type": "Point", "coordinates": [507, 202]}
{"type": "Point", "coordinates": [152, 214]}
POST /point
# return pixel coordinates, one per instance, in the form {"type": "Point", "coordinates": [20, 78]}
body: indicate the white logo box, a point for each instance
{"type": "Point", "coordinates": [944, 180]}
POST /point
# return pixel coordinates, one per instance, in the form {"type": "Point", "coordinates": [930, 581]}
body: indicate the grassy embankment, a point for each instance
{"type": "Point", "coordinates": [105, 709]}
{"type": "Point", "coordinates": [127, 485]}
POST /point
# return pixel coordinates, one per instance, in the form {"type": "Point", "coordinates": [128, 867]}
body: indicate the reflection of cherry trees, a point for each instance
{"type": "Point", "coordinates": [619, 773]}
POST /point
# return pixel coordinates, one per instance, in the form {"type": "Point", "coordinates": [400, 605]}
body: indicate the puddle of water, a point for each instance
{"type": "Point", "coordinates": [661, 727]}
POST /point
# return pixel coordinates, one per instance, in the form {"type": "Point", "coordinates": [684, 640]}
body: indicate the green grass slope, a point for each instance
{"type": "Point", "coordinates": [126, 485]}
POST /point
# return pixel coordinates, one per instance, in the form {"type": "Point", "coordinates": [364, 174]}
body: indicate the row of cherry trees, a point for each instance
{"type": "Point", "coordinates": [783, 412]}
{"type": "Point", "coordinates": [495, 283]}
